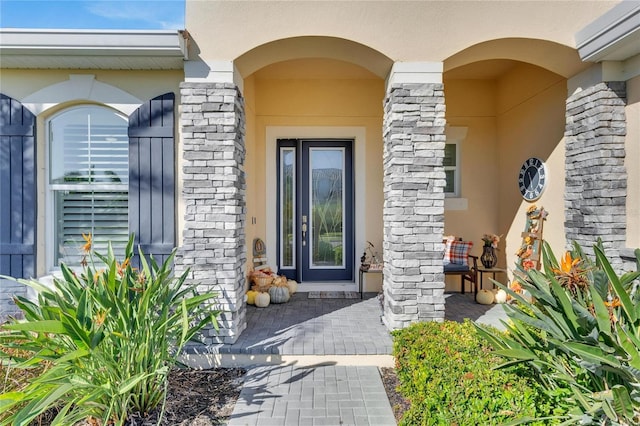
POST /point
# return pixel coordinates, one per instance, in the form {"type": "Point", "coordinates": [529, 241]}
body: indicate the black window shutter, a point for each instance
{"type": "Point", "coordinates": [17, 189]}
{"type": "Point", "coordinates": [152, 176]}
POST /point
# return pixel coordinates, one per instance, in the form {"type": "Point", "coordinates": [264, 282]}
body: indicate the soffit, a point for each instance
{"type": "Point", "coordinates": [92, 49]}
{"type": "Point", "coordinates": [491, 69]}
{"type": "Point", "coordinates": [314, 69]}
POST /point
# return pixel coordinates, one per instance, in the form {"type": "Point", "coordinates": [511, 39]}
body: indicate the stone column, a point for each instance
{"type": "Point", "coordinates": [413, 214]}
{"type": "Point", "coordinates": [596, 178]}
{"type": "Point", "coordinates": [213, 182]}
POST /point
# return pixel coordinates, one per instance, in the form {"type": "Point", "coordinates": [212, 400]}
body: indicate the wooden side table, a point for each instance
{"type": "Point", "coordinates": [482, 270]}
{"type": "Point", "coordinates": [361, 273]}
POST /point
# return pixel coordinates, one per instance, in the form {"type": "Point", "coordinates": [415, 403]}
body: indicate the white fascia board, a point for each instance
{"type": "Point", "coordinates": [614, 36]}
{"type": "Point", "coordinates": [159, 43]}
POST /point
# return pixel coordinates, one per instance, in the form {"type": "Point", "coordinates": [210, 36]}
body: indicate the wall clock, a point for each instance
{"type": "Point", "coordinates": [532, 178]}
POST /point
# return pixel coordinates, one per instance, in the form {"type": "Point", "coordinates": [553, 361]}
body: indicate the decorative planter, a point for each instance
{"type": "Point", "coordinates": [488, 257]}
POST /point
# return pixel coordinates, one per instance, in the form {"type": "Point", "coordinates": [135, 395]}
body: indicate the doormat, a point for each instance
{"type": "Point", "coordinates": [334, 295]}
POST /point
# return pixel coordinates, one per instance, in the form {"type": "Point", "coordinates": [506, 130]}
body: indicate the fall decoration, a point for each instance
{"type": "Point", "coordinates": [279, 291]}
{"type": "Point", "coordinates": [293, 286]}
{"type": "Point", "coordinates": [484, 297]}
{"type": "Point", "coordinates": [262, 300]}
{"type": "Point", "coordinates": [251, 297]}
{"type": "Point", "coordinates": [500, 296]}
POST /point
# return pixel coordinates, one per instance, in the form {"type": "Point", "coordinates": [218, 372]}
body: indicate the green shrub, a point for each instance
{"type": "Point", "coordinates": [446, 371]}
{"type": "Point", "coordinates": [109, 335]}
{"type": "Point", "coordinates": [578, 334]}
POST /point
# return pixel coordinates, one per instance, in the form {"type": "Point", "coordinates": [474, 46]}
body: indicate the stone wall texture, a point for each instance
{"type": "Point", "coordinates": [213, 180]}
{"type": "Point", "coordinates": [413, 213]}
{"type": "Point", "coordinates": [596, 178]}
{"type": "Point", "coordinates": [8, 290]}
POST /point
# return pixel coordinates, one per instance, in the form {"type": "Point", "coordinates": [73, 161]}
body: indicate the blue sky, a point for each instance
{"type": "Point", "coordinates": [99, 14]}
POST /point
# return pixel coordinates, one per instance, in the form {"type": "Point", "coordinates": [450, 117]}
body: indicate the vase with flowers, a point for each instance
{"type": "Point", "coordinates": [488, 257]}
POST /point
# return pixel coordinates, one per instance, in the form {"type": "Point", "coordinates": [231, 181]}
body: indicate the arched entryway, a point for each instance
{"type": "Point", "coordinates": [308, 106]}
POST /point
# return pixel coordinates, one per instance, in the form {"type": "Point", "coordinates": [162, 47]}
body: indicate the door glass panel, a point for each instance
{"type": "Point", "coordinates": [326, 207]}
{"type": "Point", "coordinates": [287, 207]}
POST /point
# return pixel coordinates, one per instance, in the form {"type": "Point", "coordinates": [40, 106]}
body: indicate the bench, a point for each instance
{"type": "Point", "coordinates": [466, 273]}
{"type": "Point", "coordinates": [454, 265]}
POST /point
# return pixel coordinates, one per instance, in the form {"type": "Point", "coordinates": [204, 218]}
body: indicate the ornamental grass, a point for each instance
{"type": "Point", "coordinates": [102, 340]}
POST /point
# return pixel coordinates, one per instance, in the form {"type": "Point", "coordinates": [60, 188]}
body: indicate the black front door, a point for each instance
{"type": "Point", "coordinates": [315, 209]}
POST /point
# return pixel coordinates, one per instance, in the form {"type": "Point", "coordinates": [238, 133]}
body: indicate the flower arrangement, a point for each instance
{"type": "Point", "coordinates": [491, 240]}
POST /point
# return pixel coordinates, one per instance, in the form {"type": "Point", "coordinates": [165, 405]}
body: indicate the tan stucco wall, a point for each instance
{"type": "Point", "coordinates": [531, 123]}
{"type": "Point", "coordinates": [471, 104]}
{"type": "Point", "coordinates": [632, 162]}
{"type": "Point", "coordinates": [512, 117]}
{"type": "Point", "coordinates": [274, 101]}
{"type": "Point", "coordinates": [141, 84]}
{"type": "Point", "coordinates": [413, 30]}
{"type": "Point", "coordinates": [144, 85]}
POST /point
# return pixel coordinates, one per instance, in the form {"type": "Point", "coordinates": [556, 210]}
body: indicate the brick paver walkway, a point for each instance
{"type": "Point", "coordinates": [313, 395]}
{"type": "Point", "coordinates": [306, 326]}
{"type": "Point", "coordinates": [325, 393]}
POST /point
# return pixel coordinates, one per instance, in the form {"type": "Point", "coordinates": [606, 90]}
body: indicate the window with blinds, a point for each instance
{"type": "Point", "coordinates": [451, 170]}
{"type": "Point", "coordinates": [88, 181]}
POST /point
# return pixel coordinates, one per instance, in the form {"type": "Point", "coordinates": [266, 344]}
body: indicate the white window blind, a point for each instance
{"type": "Point", "coordinates": [88, 181]}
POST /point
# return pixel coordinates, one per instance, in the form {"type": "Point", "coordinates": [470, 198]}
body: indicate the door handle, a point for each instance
{"type": "Point", "coordinates": [304, 234]}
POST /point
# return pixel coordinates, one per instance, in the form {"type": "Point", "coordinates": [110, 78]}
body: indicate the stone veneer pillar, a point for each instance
{"type": "Point", "coordinates": [213, 182]}
{"type": "Point", "coordinates": [413, 213]}
{"type": "Point", "coordinates": [596, 178]}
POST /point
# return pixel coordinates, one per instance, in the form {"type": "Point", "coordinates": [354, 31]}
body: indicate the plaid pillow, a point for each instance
{"type": "Point", "coordinates": [457, 252]}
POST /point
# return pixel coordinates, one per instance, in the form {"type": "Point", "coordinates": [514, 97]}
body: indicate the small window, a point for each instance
{"type": "Point", "coordinates": [88, 184]}
{"type": "Point", "coordinates": [452, 170]}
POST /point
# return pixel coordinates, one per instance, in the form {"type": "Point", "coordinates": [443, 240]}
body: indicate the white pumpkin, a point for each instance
{"type": "Point", "coordinates": [501, 296]}
{"type": "Point", "coordinates": [293, 286]}
{"type": "Point", "coordinates": [484, 297]}
{"type": "Point", "coordinates": [262, 300]}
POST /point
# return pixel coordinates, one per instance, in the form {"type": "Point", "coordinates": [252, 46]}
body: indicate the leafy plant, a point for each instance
{"type": "Point", "coordinates": [110, 336]}
{"type": "Point", "coordinates": [578, 335]}
{"type": "Point", "coordinates": [446, 371]}
{"type": "Point", "coordinates": [14, 379]}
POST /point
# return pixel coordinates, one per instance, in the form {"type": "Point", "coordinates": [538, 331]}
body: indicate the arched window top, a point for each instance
{"type": "Point", "coordinates": [88, 144]}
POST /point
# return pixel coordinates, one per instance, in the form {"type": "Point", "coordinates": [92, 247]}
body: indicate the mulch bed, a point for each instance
{"type": "Point", "coordinates": [194, 398]}
{"type": "Point", "coordinates": [399, 404]}
{"type": "Point", "coordinates": [197, 398]}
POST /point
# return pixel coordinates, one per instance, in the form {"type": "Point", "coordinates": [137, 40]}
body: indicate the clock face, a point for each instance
{"type": "Point", "coordinates": [532, 179]}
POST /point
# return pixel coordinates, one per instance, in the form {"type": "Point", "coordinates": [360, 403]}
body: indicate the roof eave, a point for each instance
{"type": "Point", "coordinates": [614, 36]}
{"type": "Point", "coordinates": [52, 45]}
